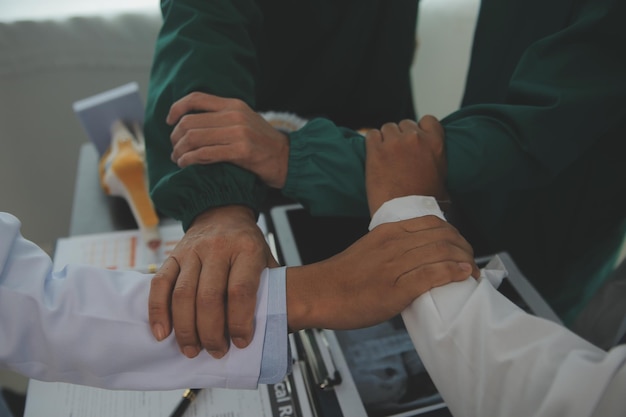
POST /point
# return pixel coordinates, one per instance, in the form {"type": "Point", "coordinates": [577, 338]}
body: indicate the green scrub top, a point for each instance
{"type": "Point", "coordinates": [535, 154]}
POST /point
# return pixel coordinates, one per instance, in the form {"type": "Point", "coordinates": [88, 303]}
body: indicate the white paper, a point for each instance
{"type": "Point", "coordinates": [53, 399]}
{"type": "Point", "coordinates": [231, 403]}
{"type": "Point", "coordinates": [63, 400]}
{"type": "Point", "coordinates": [115, 250]}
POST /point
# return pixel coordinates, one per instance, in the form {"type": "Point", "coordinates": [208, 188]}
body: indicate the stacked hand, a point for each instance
{"type": "Point", "coordinates": [227, 130]}
{"type": "Point", "coordinates": [378, 276]}
{"type": "Point", "coordinates": [383, 272]}
{"type": "Point", "coordinates": [207, 289]}
{"type": "Point", "coordinates": [405, 159]}
{"type": "Point", "coordinates": [209, 283]}
{"type": "Point", "coordinates": [409, 158]}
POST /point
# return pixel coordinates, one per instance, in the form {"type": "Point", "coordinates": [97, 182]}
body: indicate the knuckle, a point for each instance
{"type": "Point", "coordinates": [184, 122]}
{"type": "Point", "coordinates": [249, 245]}
{"type": "Point", "coordinates": [157, 309]}
{"type": "Point", "coordinates": [238, 116]}
{"type": "Point", "coordinates": [389, 125]}
{"type": "Point", "coordinates": [217, 242]}
{"type": "Point", "coordinates": [382, 235]}
{"type": "Point", "coordinates": [435, 220]}
{"type": "Point", "coordinates": [193, 138]}
{"type": "Point", "coordinates": [211, 342]}
{"type": "Point", "coordinates": [243, 290]}
{"type": "Point", "coordinates": [238, 104]}
{"type": "Point", "coordinates": [240, 130]}
{"type": "Point", "coordinates": [442, 246]}
{"type": "Point", "coordinates": [182, 293]}
{"type": "Point", "coordinates": [239, 329]}
{"type": "Point", "coordinates": [185, 334]}
{"type": "Point", "coordinates": [195, 96]}
{"type": "Point", "coordinates": [450, 234]}
{"type": "Point", "coordinates": [241, 149]}
{"type": "Point", "coordinates": [372, 134]}
{"type": "Point", "coordinates": [209, 297]}
{"type": "Point", "coordinates": [436, 273]}
{"type": "Point", "coordinates": [412, 137]}
{"type": "Point", "coordinates": [428, 270]}
{"type": "Point", "coordinates": [159, 282]}
{"type": "Point", "coordinates": [203, 155]}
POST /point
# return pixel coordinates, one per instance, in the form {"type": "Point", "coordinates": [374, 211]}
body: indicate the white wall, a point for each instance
{"type": "Point", "coordinates": [46, 65]}
{"type": "Point", "coordinates": [445, 33]}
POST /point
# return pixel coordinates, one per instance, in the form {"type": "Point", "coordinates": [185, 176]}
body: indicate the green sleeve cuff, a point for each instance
{"type": "Point", "coordinates": [326, 172]}
{"type": "Point", "coordinates": [186, 193]}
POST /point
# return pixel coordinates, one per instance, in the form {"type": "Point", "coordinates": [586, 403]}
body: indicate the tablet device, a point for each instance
{"type": "Point", "coordinates": [304, 239]}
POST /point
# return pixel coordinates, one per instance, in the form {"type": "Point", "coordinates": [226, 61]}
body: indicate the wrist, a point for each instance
{"type": "Point", "coordinates": [282, 165]}
{"type": "Point", "coordinates": [299, 298]}
{"type": "Point", "coordinates": [239, 212]}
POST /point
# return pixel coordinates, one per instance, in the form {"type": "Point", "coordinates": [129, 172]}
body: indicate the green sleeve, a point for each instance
{"type": "Point", "coordinates": [558, 106]}
{"type": "Point", "coordinates": [326, 171]}
{"type": "Point", "coordinates": [566, 93]}
{"type": "Point", "coordinates": [206, 46]}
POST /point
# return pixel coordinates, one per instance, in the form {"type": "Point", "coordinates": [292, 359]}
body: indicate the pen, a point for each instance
{"type": "Point", "coordinates": [188, 396]}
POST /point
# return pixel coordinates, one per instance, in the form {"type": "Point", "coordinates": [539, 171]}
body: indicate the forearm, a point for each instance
{"type": "Point", "coordinates": [189, 192]}
{"type": "Point", "coordinates": [222, 36]}
{"type": "Point", "coordinates": [304, 309]}
{"type": "Point", "coordinates": [87, 325]}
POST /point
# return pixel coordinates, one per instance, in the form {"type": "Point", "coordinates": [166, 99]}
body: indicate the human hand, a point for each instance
{"type": "Point", "coordinates": [378, 276]}
{"type": "Point", "coordinates": [211, 278]}
{"type": "Point", "coordinates": [405, 159]}
{"type": "Point", "coordinates": [213, 129]}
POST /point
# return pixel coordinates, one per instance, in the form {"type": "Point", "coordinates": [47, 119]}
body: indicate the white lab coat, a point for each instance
{"type": "Point", "coordinates": [488, 357]}
{"type": "Point", "coordinates": [89, 326]}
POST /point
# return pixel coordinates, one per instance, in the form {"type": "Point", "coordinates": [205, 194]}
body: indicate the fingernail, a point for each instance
{"type": "Point", "coordinates": [217, 354]}
{"type": "Point", "coordinates": [190, 351]}
{"type": "Point", "coordinates": [240, 342]}
{"type": "Point", "coordinates": [465, 266]}
{"type": "Point", "coordinates": [158, 331]}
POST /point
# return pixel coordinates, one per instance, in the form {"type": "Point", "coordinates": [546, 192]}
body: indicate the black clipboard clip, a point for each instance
{"type": "Point", "coordinates": [316, 348]}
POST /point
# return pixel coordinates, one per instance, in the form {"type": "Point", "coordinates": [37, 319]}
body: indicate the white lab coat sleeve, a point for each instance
{"type": "Point", "coordinates": [488, 357]}
{"type": "Point", "coordinates": [89, 326]}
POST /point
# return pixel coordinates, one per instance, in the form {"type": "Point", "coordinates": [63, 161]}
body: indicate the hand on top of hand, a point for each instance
{"type": "Point", "coordinates": [409, 159]}
{"type": "Point", "coordinates": [210, 129]}
{"type": "Point", "coordinates": [406, 158]}
{"type": "Point", "coordinates": [219, 258]}
{"type": "Point", "coordinates": [378, 276]}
